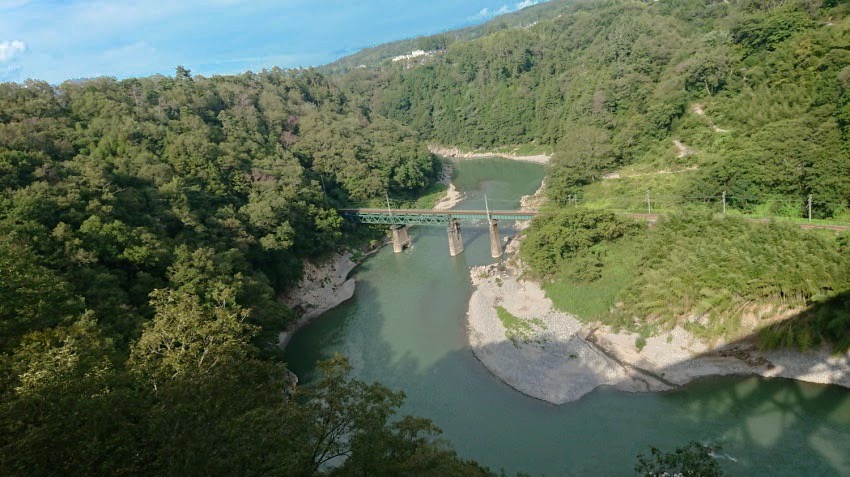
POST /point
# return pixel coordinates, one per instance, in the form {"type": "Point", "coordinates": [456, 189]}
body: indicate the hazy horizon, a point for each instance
{"type": "Point", "coordinates": [61, 40]}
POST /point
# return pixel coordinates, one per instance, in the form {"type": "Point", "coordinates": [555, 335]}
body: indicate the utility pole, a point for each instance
{"type": "Point", "coordinates": [810, 208]}
{"type": "Point", "coordinates": [575, 200]}
{"type": "Point", "coordinates": [389, 209]}
{"type": "Point", "coordinates": [724, 202]}
{"type": "Point", "coordinates": [487, 207]}
{"type": "Point", "coordinates": [648, 202]}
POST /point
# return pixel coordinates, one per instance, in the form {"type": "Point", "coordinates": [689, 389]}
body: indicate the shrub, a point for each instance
{"type": "Point", "coordinates": [558, 236]}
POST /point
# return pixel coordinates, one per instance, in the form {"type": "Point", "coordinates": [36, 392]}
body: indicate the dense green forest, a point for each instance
{"type": "Point", "coordinates": [119, 188]}
{"type": "Point", "coordinates": [680, 104]}
{"type": "Point", "coordinates": [148, 225]}
{"type": "Point", "coordinates": [755, 91]}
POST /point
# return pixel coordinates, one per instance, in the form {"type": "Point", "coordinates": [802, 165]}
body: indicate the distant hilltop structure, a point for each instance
{"type": "Point", "coordinates": [413, 54]}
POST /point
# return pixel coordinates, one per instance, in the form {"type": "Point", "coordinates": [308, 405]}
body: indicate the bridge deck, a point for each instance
{"type": "Point", "coordinates": [428, 216]}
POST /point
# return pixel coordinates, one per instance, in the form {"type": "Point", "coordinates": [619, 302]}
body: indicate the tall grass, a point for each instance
{"type": "Point", "coordinates": [707, 272]}
{"type": "Point", "coordinates": [594, 301]}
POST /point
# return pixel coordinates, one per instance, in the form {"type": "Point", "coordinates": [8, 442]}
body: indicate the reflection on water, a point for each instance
{"type": "Point", "coordinates": [405, 327]}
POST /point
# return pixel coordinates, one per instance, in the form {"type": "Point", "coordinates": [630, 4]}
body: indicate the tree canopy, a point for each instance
{"type": "Point", "coordinates": [608, 84]}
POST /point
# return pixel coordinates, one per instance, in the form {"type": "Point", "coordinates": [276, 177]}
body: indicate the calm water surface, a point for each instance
{"type": "Point", "coordinates": [405, 327]}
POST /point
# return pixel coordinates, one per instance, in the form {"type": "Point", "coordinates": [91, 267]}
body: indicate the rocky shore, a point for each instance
{"type": "Point", "coordinates": [554, 357]}
{"type": "Point", "coordinates": [321, 288]}
{"type": "Point", "coordinates": [327, 285]}
{"type": "Point", "coordinates": [456, 153]}
{"type": "Point", "coordinates": [453, 196]}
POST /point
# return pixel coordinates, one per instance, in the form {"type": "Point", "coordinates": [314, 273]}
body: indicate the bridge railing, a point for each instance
{"type": "Point", "coordinates": [431, 217]}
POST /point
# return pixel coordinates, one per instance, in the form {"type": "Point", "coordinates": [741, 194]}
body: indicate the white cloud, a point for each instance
{"type": "Point", "coordinates": [10, 73]}
{"type": "Point", "coordinates": [526, 3]}
{"type": "Point", "coordinates": [10, 49]}
{"type": "Point", "coordinates": [10, 4]}
{"type": "Point", "coordinates": [486, 13]}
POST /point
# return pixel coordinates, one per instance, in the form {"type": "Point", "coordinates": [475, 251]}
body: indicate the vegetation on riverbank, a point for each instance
{"type": "Point", "coordinates": [147, 225]}
{"type": "Point", "coordinates": [594, 300]}
{"type": "Point", "coordinates": [426, 200]}
{"type": "Point", "coordinates": [709, 274]}
{"type": "Point", "coordinates": [517, 329]}
{"type": "Point", "coordinates": [705, 273]}
{"type": "Point", "coordinates": [146, 229]}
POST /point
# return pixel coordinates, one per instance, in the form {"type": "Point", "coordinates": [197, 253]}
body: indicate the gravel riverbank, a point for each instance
{"type": "Point", "coordinates": [558, 359]}
{"type": "Point", "coordinates": [453, 196]}
{"type": "Point", "coordinates": [455, 153]}
{"type": "Point", "coordinates": [327, 285]}
{"type": "Point", "coordinates": [321, 288]}
{"type": "Point", "coordinates": [550, 361]}
{"type": "Point", "coordinates": [554, 357]}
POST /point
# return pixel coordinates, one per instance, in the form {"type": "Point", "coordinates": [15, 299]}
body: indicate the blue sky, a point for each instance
{"type": "Point", "coordinates": [56, 40]}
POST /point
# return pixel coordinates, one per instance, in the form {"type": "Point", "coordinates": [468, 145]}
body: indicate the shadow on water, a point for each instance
{"type": "Point", "coordinates": [406, 328]}
{"type": "Point", "coordinates": [767, 426]}
{"type": "Point", "coordinates": [779, 417]}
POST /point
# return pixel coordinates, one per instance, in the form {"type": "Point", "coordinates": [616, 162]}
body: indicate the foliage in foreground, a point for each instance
{"type": "Point", "coordinates": [691, 460]}
{"type": "Point", "coordinates": [194, 399]}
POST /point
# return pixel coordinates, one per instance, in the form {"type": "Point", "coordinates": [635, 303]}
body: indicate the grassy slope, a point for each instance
{"type": "Point", "coordinates": [594, 301]}
{"type": "Point", "coordinates": [710, 274]}
{"type": "Point", "coordinates": [430, 197]}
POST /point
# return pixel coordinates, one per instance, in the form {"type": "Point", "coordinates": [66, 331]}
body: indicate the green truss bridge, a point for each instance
{"type": "Point", "coordinates": [430, 217]}
{"type": "Point", "coordinates": [400, 219]}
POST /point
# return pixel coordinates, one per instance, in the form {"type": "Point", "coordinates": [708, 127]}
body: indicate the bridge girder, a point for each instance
{"type": "Point", "coordinates": [430, 217]}
{"type": "Point", "coordinates": [405, 219]}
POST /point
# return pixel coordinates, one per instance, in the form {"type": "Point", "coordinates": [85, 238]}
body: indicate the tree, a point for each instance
{"type": "Point", "coordinates": [352, 425]}
{"type": "Point", "coordinates": [580, 158]}
{"type": "Point", "coordinates": [183, 73]}
{"type": "Point", "coordinates": [66, 407]}
{"type": "Point", "coordinates": [190, 338]}
{"type": "Point", "coordinates": [555, 239]}
{"type": "Point", "coordinates": [32, 297]}
{"type": "Point", "coordinates": [691, 460]}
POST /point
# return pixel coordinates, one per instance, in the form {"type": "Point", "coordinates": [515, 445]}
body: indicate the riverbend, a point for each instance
{"type": "Point", "coordinates": [406, 326]}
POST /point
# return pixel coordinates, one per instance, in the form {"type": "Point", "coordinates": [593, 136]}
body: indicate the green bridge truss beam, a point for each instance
{"type": "Point", "coordinates": [406, 219]}
{"type": "Point", "coordinates": [429, 218]}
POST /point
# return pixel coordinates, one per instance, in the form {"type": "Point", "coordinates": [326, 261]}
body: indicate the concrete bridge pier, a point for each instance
{"type": "Point", "coordinates": [401, 239]}
{"type": "Point", "coordinates": [455, 239]}
{"type": "Point", "coordinates": [495, 242]}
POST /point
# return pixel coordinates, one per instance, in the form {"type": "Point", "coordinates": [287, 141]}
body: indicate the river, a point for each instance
{"type": "Point", "coordinates": [405, 327]}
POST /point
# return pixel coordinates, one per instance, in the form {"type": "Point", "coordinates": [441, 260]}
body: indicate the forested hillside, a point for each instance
{"type": "Point", "coordinates": [146, 226]}
{"type": "Point", "coordinates": [755, 92]}
{"type": "Point", "coordinates": [119, 187]}
{"type": "Point", "coordinates": [678, 107]}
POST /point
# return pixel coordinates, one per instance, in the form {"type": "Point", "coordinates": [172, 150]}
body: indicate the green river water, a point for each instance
{"type": "Point", "coordinates": [405, 327]}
